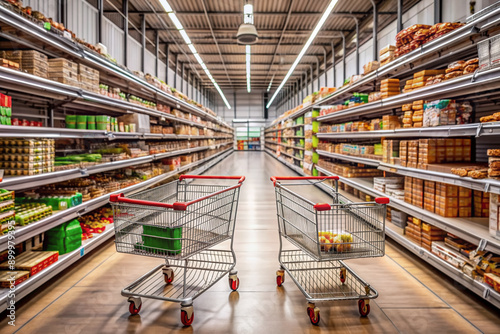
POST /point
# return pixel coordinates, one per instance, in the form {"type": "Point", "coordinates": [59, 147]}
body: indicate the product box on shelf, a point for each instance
{"type": "Point", "coordinates": [63, 71]}
{"type": "Point", "coordinates": [494, 216]}
{"type": "Point", "coordinates": [32, 261]}
{"type": "Point", "coordinates": [141, 122]}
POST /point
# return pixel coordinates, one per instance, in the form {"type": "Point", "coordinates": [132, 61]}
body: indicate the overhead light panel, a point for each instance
{"type": "Point", "coordinates": [175, 21]}
{"type": "Point", "coordinates": [182, 31]}
{"type": "Point", "coordinates": [166, 6]}
{"type": "Point", "coordinates": [185, 36]}
{"type": "Point", "coordinates": [249, 88]}
{"type": "Point", "coordinates": [304, 49]}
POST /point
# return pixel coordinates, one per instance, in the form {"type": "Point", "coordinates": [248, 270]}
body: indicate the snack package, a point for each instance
{"type": "Point", "coordinates": [370, 67]}
{"type": "Point", "coordinates": [441, 112]}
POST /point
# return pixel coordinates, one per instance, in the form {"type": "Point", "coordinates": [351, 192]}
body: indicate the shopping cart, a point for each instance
{"type": "Point", "coordinates": [182, 233]}
{"type": "Point", "coordinates": [326, 235]}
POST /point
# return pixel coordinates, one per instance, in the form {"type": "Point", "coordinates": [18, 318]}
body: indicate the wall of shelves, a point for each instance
{"type": "Point", "coordinates": [481, 88]}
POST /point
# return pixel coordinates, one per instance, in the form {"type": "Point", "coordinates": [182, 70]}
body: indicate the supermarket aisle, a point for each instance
{"type": "Point", "coordinates": [413, 297]}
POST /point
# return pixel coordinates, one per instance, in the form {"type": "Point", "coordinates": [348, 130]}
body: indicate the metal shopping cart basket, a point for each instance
{"type": "Point", "coordinates": [180, 221]}
{"type": "Point", "coordinates": [326, 234]}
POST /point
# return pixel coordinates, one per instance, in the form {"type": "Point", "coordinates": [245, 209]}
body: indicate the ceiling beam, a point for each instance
{"type": "Point", "coordinates": [301, 14]}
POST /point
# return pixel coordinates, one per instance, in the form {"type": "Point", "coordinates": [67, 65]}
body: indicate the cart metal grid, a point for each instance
{"type": "Point", "coordinates": [325, 235]}
{"type": "Point", "coordinates": [180, 221]}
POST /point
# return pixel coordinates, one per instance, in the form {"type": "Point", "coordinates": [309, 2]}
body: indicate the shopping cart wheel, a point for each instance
{"type": "Point", "coordinates": [135, 304]}
{"type": "Point", "coordinates": [234, 282]}
{"type": "Point", "coordinates": [280, 277]}
{"type": "Point", "coordinates": [343, 275]}
{"type": "Point", "coordinates": [364, 308]}
{"type": "Point", "coordinates": [168, 275]}
{"type": "Point", "coordinates": [187, 315]}
{"type": "Point", "coordinates": [313, 313]}
{"type": "Point", "coordinates": [132, 309]}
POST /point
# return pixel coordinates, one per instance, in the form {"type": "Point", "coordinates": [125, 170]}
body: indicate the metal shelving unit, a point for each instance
{"type": "Point", "coordinates": [62, 47]}
{"type": "Point", "coordinates": [395, 233]}
{"type": "Point", "coordinates": [33, 229]}
{"type": "Point", "coordinates": [66, 260]}
{"type": "Point", "coordinates": [360, 160]}
{"type": "Point", "coordinates": [26, 182]}
{"type": "Point", "coordinates": [459, 42]}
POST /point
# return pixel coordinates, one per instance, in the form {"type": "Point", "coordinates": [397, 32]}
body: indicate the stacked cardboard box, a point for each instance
{"type": "Point", "coordinates": [418, 113]}
{"type": "Point", "coordinates": [89, 78]}
{"type": "Point", "coordinates": [390, 151]}
{"type": "Point", "coordinates": [446, 200]}
{"type": "Point", "coordinates": [426, 152]}
{"type": "Point", "coordinates": [412, 160]}
{"type": "Point", "coordinates": [403, 153]}
{"type": "Point", "coordinates": [413, 230]}
{"type": "Point", "coordinates": [481, 204]}
{"type": "Point", "coordinates": [408, 115]}
{"type": "Point", "coordinates": [30, 61]}
{"type": "Point", "coordinates": [408, 189]}
{"type": "Point", "coordinates": [430, 234]}
{"type": "Point", "coordinates": [418, 192]}
{"type": "Point", "coordinates": [420, 78]}
{"type": "Point", "coordinates": [389, 87]}
{"type": "Point", "coordinates": [390, 122]}
{"type": "Point", "coordinates": [464, 202]}
{"type": "Point", "coordinates": [63, 71]}
{"type": "Point", "coordinates": [430, 196]}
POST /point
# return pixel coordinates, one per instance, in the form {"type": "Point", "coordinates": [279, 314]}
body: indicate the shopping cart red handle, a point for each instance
{"type": "Point", "coordinates": [115, 198]}
{"type": "Point", "coordinates": [292, 178]}
{"type": "Point", "coordinates": [382, 200]}
{"type": "Point", "coordinates": [212, 177]}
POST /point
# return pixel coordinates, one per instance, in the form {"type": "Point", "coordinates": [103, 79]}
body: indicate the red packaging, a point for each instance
{"type": "Point", "coordinates": [25, 122]}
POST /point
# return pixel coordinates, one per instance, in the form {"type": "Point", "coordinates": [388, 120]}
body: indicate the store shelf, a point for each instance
{"type": "Point", "coordinates": [26, 182]}
{"type": "Point", "coordinates": [474, 230]}
{"type": "Point", "coordinates": [294, 137]}
{"type": "Point", "coordinates": [295, 168]}
{"type": "Point", "coordinates": [291, 156]}
{"type": "Point", "coordinates": [466, 85]}
{"type": "Point", "coordinates": [58, 46]}
{"type": "Point", "coordinates": [26, 232]}
{"type": "Point", "coordinates": [481, 289]}
{"type": "Point", "coordinates": [396, 233]}
{"type": "Point", "coordinates": [465, 130]}
{"type": "Point", "coordinates": [365, 161]}
{"type": "Point", "coordinates": [294, 147]}
{"type": "Point", "coordinates": [461, 41]}
{"type": "Point", "coordinates": [28, 286]}
{"type": "Point", "coordinates": [9, 131]}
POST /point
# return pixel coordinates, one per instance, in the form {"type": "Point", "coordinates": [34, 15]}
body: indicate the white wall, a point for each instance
{"type": "Point", "coordinates": [113, 38]}
{"type": "Point", "coordinates": [47, 7]}
{"type": "Point", "coordinates": [134, 54]}
{"type": "Point", "coordinates": [82, 20]}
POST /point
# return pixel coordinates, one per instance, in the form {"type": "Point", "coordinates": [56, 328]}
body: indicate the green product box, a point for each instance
{"type": "Point", "coordinates": [315, 172]}
{"type": "Point", "coordinates": [167, 238]}
{"type": "Point", "coordinates": [315, 158]}
{"type": "Point", "coordinates": [315, 141]}
{"type": "Point", "coordinates": [315, 113]}
{"type": "Point", "coordinates": [299, 120]}
{"type": "Point", "coordinates": [315, 126]}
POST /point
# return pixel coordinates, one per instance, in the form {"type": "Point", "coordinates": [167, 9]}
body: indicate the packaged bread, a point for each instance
{"type": "Point", "coordinates": [389, 81]}
{"type": "Point", "coordinates": [428, 73]}
{"type": "Point", "coordinates": [473, 61]}
{"type": "Point", "coordinates": [478, 174]}
{"type": "Point", "coordinates": [417, 124]}
{"type": "Point", "coordinates": [453, 74]}
{"type": "Point", "coordinates": [456, 66]}
{"type": "Point", "coordinates": [387, 49]}
{"type": "Point", "coordinates": [493, 173]}
{"type": "Point", "coordinates": [406, 107]}
{"type": "Point", "coordinates": [418, 85]}
{"type": "Point", "coordinates": [470, 68]}
{"type": "Point", "coordinates": [493, 152]}
{"type": "Point", "coordinates": [371, 66]}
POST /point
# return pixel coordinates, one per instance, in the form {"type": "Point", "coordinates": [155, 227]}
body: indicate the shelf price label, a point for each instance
{"type": "Point", "coordinates": [82, 251]}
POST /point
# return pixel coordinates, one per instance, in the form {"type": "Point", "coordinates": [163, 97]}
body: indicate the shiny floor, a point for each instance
{"type": "Point", "coordinates": [413, 297]}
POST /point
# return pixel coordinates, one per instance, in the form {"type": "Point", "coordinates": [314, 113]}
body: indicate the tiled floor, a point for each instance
{"type": "Point", "coordinates": [413, 297]}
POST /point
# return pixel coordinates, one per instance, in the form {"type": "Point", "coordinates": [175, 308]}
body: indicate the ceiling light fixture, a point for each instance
{"type": "Point", "coordinates": [304, 49]}
{"type": "Point", "coordinates": [249, 88]}
{"type": "Point", "coordinates": [191, 47]}
{"type": "Point", "coordinates": [247, 34]}
{"type": "Point", "coordinates": [270, 84]}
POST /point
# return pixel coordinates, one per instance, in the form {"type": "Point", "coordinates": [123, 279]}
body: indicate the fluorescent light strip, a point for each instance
{"type": "Point", "coordinates": [270, 84]}
{"type": "Point", "coordinates": [304, 49]}
{"type": "Point", "coordinates": [249, 88]}
{"type": "Point", "coordinates": [186, 38]}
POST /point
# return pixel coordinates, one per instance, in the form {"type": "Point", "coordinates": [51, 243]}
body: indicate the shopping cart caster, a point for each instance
{"type": "Point", "coordinates": [313, 313]}
{"type": "Point", "coordinates": [343, 275]}
{"type": "Point", "coordinates": [280, 277]}
{"type": "Point", "coordinates": [234, 281]}
{"type": "Point", "coordinates": [187, 315]}
{"type": "Point", "coordinates": [168, 275]}
{"type": "Point", "coordinates": [135, 304]}
{"type": "Point", "coordinates": [364, 307]}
